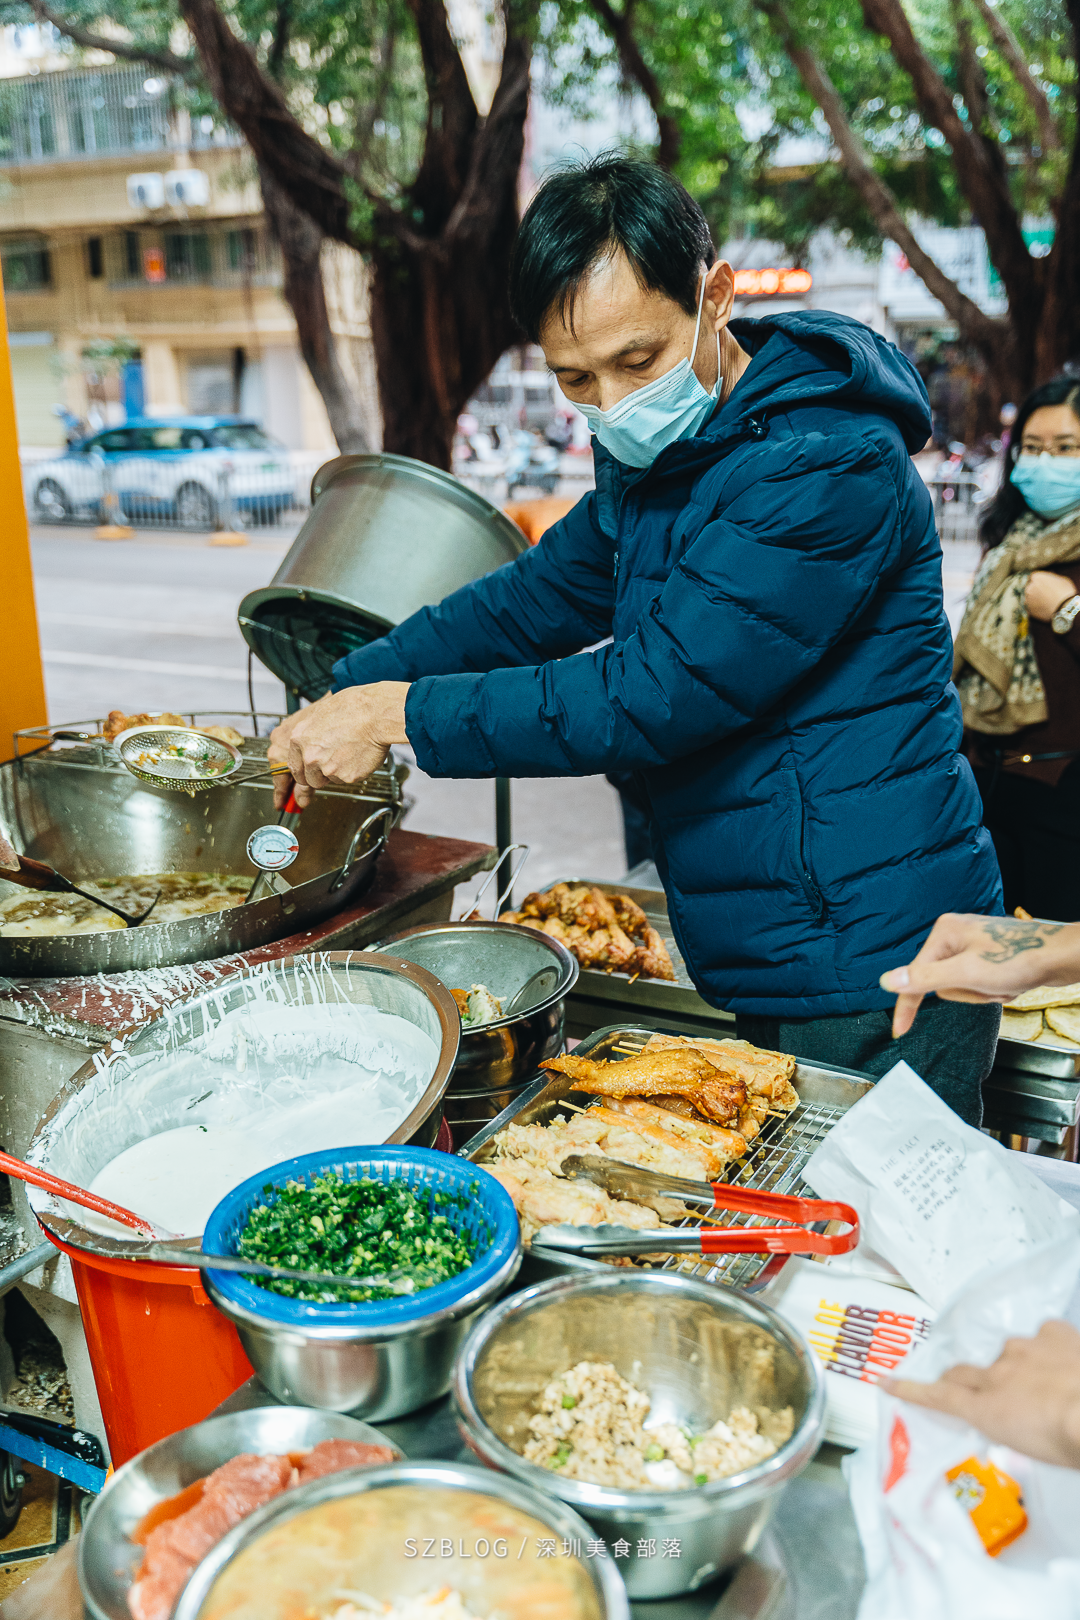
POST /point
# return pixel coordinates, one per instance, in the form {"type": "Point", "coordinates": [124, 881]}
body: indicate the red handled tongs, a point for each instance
{"type": "Point", "coordinates": [622, 1180]}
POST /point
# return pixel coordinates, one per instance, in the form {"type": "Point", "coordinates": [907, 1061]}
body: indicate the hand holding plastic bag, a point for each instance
{"type": "Point", "coordinates": [978, 1234]}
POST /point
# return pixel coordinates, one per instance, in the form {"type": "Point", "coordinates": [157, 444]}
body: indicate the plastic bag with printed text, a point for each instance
{"type": "Point", "coordinates": [998, 1253]}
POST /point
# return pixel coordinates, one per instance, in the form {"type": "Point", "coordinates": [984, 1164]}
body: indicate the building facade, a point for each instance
{"type": "Point", "coordinates": [138, 268]}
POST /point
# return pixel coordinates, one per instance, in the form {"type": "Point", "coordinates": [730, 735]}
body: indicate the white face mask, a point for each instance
{"type": "Point", "coordinates": [650, 418]}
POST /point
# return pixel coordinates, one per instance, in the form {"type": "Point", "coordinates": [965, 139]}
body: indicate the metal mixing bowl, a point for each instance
{"type": "Point", "coordinates": [127, 1095]}
{"type": "Point", "coordinates": [405, 1504]}
{"type": "Point", "coordinates": [380, 1358]}
{"type": "Point", "coordinates": [698, 1350]}
{"type": "Point", "coordinates": [496, 1060]}
{"type": "Point", "coordinates": [108, 1559]}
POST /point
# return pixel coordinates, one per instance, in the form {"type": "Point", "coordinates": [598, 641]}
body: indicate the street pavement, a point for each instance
{"type": "Point", "coordinates": [150, 623]}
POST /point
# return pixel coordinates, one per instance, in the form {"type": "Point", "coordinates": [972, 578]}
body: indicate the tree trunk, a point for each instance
{"type": "Point", "coordinates": [300, 240]}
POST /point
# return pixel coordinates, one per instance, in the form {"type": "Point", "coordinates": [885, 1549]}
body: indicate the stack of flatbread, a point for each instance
{"type": "Point", "coordinates": [1044, 1014]}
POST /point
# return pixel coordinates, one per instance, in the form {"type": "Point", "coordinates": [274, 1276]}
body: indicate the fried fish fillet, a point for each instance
{"type": "Point", "coordinates": [762, 1071]}
{"type": "Point", "coordinates": [728, 1144]}
{"type": "Point", "coordinates": [542, 1199]}
{"type": "Point", "coordinates": [681, 1071]}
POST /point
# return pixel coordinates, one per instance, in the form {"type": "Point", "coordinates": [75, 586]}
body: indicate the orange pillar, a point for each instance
{"type": "Point", "coordinates": [22, 686]}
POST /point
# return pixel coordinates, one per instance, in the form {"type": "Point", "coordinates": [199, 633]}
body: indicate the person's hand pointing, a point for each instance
{"type": "Point", "coordinates": [339, 740]}
{"type": "Point", "coordinates": [983, 959]}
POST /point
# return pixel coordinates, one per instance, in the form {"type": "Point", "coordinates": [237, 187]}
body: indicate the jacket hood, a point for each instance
{"type": "Point", "coordinates": [815, 354]}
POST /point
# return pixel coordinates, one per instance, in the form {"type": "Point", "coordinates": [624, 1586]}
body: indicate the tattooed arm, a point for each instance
{"type": "Point", "coordinates": [984, 959]}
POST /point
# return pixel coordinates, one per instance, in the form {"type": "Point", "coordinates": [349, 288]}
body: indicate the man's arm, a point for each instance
{"type": "Point", "coordinates": [752, 607]}
{"type": "Point", "coordinates": [550, 601]}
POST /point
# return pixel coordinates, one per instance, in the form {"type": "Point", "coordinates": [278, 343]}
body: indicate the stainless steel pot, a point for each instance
{"type": "Point", "coordinates": [496, 1060]}
{"type": "Point", "coordinates": [80, 811]}
{"type": "Point", "coordinates": [698, 1350]}
{"type": "Point", "coordinates": [121, 1098]}
{"type": "Point", "coordinates": [386, 535]}
{"type": "Point", "coordinates": [109, 1559]}
{"type": "Point", "coordinates": [464, 1509]}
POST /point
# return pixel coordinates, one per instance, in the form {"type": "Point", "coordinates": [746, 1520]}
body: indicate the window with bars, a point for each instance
{"type": "Point", "coordinates": [27, 265]}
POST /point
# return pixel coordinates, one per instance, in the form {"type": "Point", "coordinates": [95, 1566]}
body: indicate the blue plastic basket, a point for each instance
{"type": "Point", "coordinates": [489, 1216]}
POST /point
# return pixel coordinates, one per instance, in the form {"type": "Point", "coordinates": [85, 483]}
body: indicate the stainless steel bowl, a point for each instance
{"type": "Point", "coordinates": [108, 1105]}
{"type": "Point", "coordinates": [698, 1350]}
{"type": "Point", "coordinates": [378, 1360]}
{"type": "Point", "coordinates": [109, 1560]}
{"type": "Point", "coordinates": [405, 1503]}
{"type": "Point", "coordinates": [495, 1061]}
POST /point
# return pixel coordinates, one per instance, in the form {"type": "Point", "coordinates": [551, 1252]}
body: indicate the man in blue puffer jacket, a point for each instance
{"type": "Point", "coordinates": [762, 553]}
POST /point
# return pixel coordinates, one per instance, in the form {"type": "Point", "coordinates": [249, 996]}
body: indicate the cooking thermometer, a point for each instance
{"type": "Point", "coordinates": [271, 848]}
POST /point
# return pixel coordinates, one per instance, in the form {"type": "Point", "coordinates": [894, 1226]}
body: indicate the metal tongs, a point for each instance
{"type": "Point", "coordinates": [508, 889]}
{"type": "Point", "coordinates": [643, 1186]}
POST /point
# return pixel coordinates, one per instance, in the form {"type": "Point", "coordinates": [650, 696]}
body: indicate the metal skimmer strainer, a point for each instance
{"type": "Point", "coordinates": [181, 757]}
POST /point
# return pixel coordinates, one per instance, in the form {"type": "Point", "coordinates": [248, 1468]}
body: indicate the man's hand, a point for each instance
{"type": "Point", "coordinates": [1045, 594]}
{"type": "Point", "coordinates": [1029, 1399]}
{"type": "Point", "coordinates": [340, 739]}
{"type": "Point", "coordinates": [984, 959]}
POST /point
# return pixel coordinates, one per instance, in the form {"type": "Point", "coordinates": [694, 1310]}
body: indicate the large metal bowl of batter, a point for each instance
{"type": "Point", "coordinates": [134, 1090]}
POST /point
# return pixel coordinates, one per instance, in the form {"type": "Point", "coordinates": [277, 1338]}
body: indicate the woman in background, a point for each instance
{"type": "Point", "coordinates": [1017, 664]}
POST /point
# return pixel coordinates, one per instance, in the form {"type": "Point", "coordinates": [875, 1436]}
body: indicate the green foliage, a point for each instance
{"type": "Point", "coordinates": [350, 69]}
{"type": "Point", "coordinates": [755, 145]}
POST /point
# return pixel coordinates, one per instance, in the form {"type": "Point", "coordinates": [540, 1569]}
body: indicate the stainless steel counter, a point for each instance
{"type": "Point", "coordinates": [809, 1566]}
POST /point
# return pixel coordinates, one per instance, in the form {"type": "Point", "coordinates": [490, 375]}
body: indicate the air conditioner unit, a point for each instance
{"type": "Point", "coordinates": [145, 191]}
{"type": "Point", "coordinates": [187, 188]}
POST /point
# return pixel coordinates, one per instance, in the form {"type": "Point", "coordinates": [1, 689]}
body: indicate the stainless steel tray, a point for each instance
{"type": "Point", "coordinates": [773, 1164]}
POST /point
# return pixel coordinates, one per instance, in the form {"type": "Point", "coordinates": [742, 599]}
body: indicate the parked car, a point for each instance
{"type": "Point", "coordinates": [183, 469]}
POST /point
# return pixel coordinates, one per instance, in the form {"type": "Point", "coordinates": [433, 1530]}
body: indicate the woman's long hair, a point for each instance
{"type": "Point", "coordinates": [1008, 504]}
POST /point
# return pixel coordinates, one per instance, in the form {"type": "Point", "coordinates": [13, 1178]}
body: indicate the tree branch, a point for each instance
{"type": "Point", "coordinates": [1011, 49]}
{"type": "Point", "coordinates": [280, 42]}
{"type": "Point", "coordinates": [877, 196]}
{"type": "Point", "coordinates": [636, 69]}
{"type": "Point", "coordinates": [983, 183]}
{"type": "Point", "coordinates": [257, 106]}
{"type": "Point", "coordinates": [167, 61]}
{"type": "Point", "coordinates": [500, 141]}
{"type": "Point", "coordinates": [452, 116]}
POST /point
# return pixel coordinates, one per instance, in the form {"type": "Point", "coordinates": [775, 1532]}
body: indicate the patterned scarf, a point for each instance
{"type": "Point", "coordinates": [994, 664]}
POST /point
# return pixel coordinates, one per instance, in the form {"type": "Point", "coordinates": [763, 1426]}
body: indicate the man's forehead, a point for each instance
{"type": "Point", "coordinates": [611, 314]}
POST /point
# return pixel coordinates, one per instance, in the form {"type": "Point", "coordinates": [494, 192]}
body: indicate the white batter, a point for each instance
{"type": "Point", "coordinates": [269, 1083]}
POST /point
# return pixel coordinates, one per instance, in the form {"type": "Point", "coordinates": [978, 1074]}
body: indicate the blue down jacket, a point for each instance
{"type": "Point", "coordinates": [779, 674]}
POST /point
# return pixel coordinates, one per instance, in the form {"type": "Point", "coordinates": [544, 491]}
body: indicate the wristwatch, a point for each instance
{"type": "Point", "coordinates": [1066, 613]}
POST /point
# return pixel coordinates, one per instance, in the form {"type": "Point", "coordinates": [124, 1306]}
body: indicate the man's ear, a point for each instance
{"type": "Point", "coordinates": [719, 295]}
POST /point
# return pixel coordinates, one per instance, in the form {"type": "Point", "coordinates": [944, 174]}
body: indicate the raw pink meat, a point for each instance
{"type": "Point", "coordinates": [231, 1492]}
{"type": "Point", "coordinates": [332, 1456]}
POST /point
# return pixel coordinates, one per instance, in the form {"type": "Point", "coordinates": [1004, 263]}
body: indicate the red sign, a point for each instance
{"type": "Point", "coordinates": [771, 283]}
{"type": "Point", "coordinates": [153, 264]}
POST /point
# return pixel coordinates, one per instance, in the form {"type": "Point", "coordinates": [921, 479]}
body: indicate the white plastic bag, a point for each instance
{"type": "Point", "coordinates": [924, 1558]}
{"type": "Point", "coordinates": [998, 1252]}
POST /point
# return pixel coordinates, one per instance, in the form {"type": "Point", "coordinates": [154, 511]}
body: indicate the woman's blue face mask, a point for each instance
{"type": "Point", "coordinates": [1049, 484]}
{"type": "Point", "coordinates": [647, 420]}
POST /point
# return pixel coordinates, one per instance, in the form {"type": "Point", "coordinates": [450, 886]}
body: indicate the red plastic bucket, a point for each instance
{"type": "Point", "coordinates": [163, 1357]}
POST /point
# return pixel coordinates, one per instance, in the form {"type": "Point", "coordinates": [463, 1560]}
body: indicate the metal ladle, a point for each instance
{"type": "Point", "coordinates": [32, 874]}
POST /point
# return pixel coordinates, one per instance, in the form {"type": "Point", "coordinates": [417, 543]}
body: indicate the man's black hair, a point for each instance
{"type": "Point", "coordinates": [1008, 504]}
{"type": "Point", "coordinates": [586, 212]}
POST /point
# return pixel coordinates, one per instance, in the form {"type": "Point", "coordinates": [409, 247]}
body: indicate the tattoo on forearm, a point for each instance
{"type": "Point", "coordinates": [1014, 935]}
